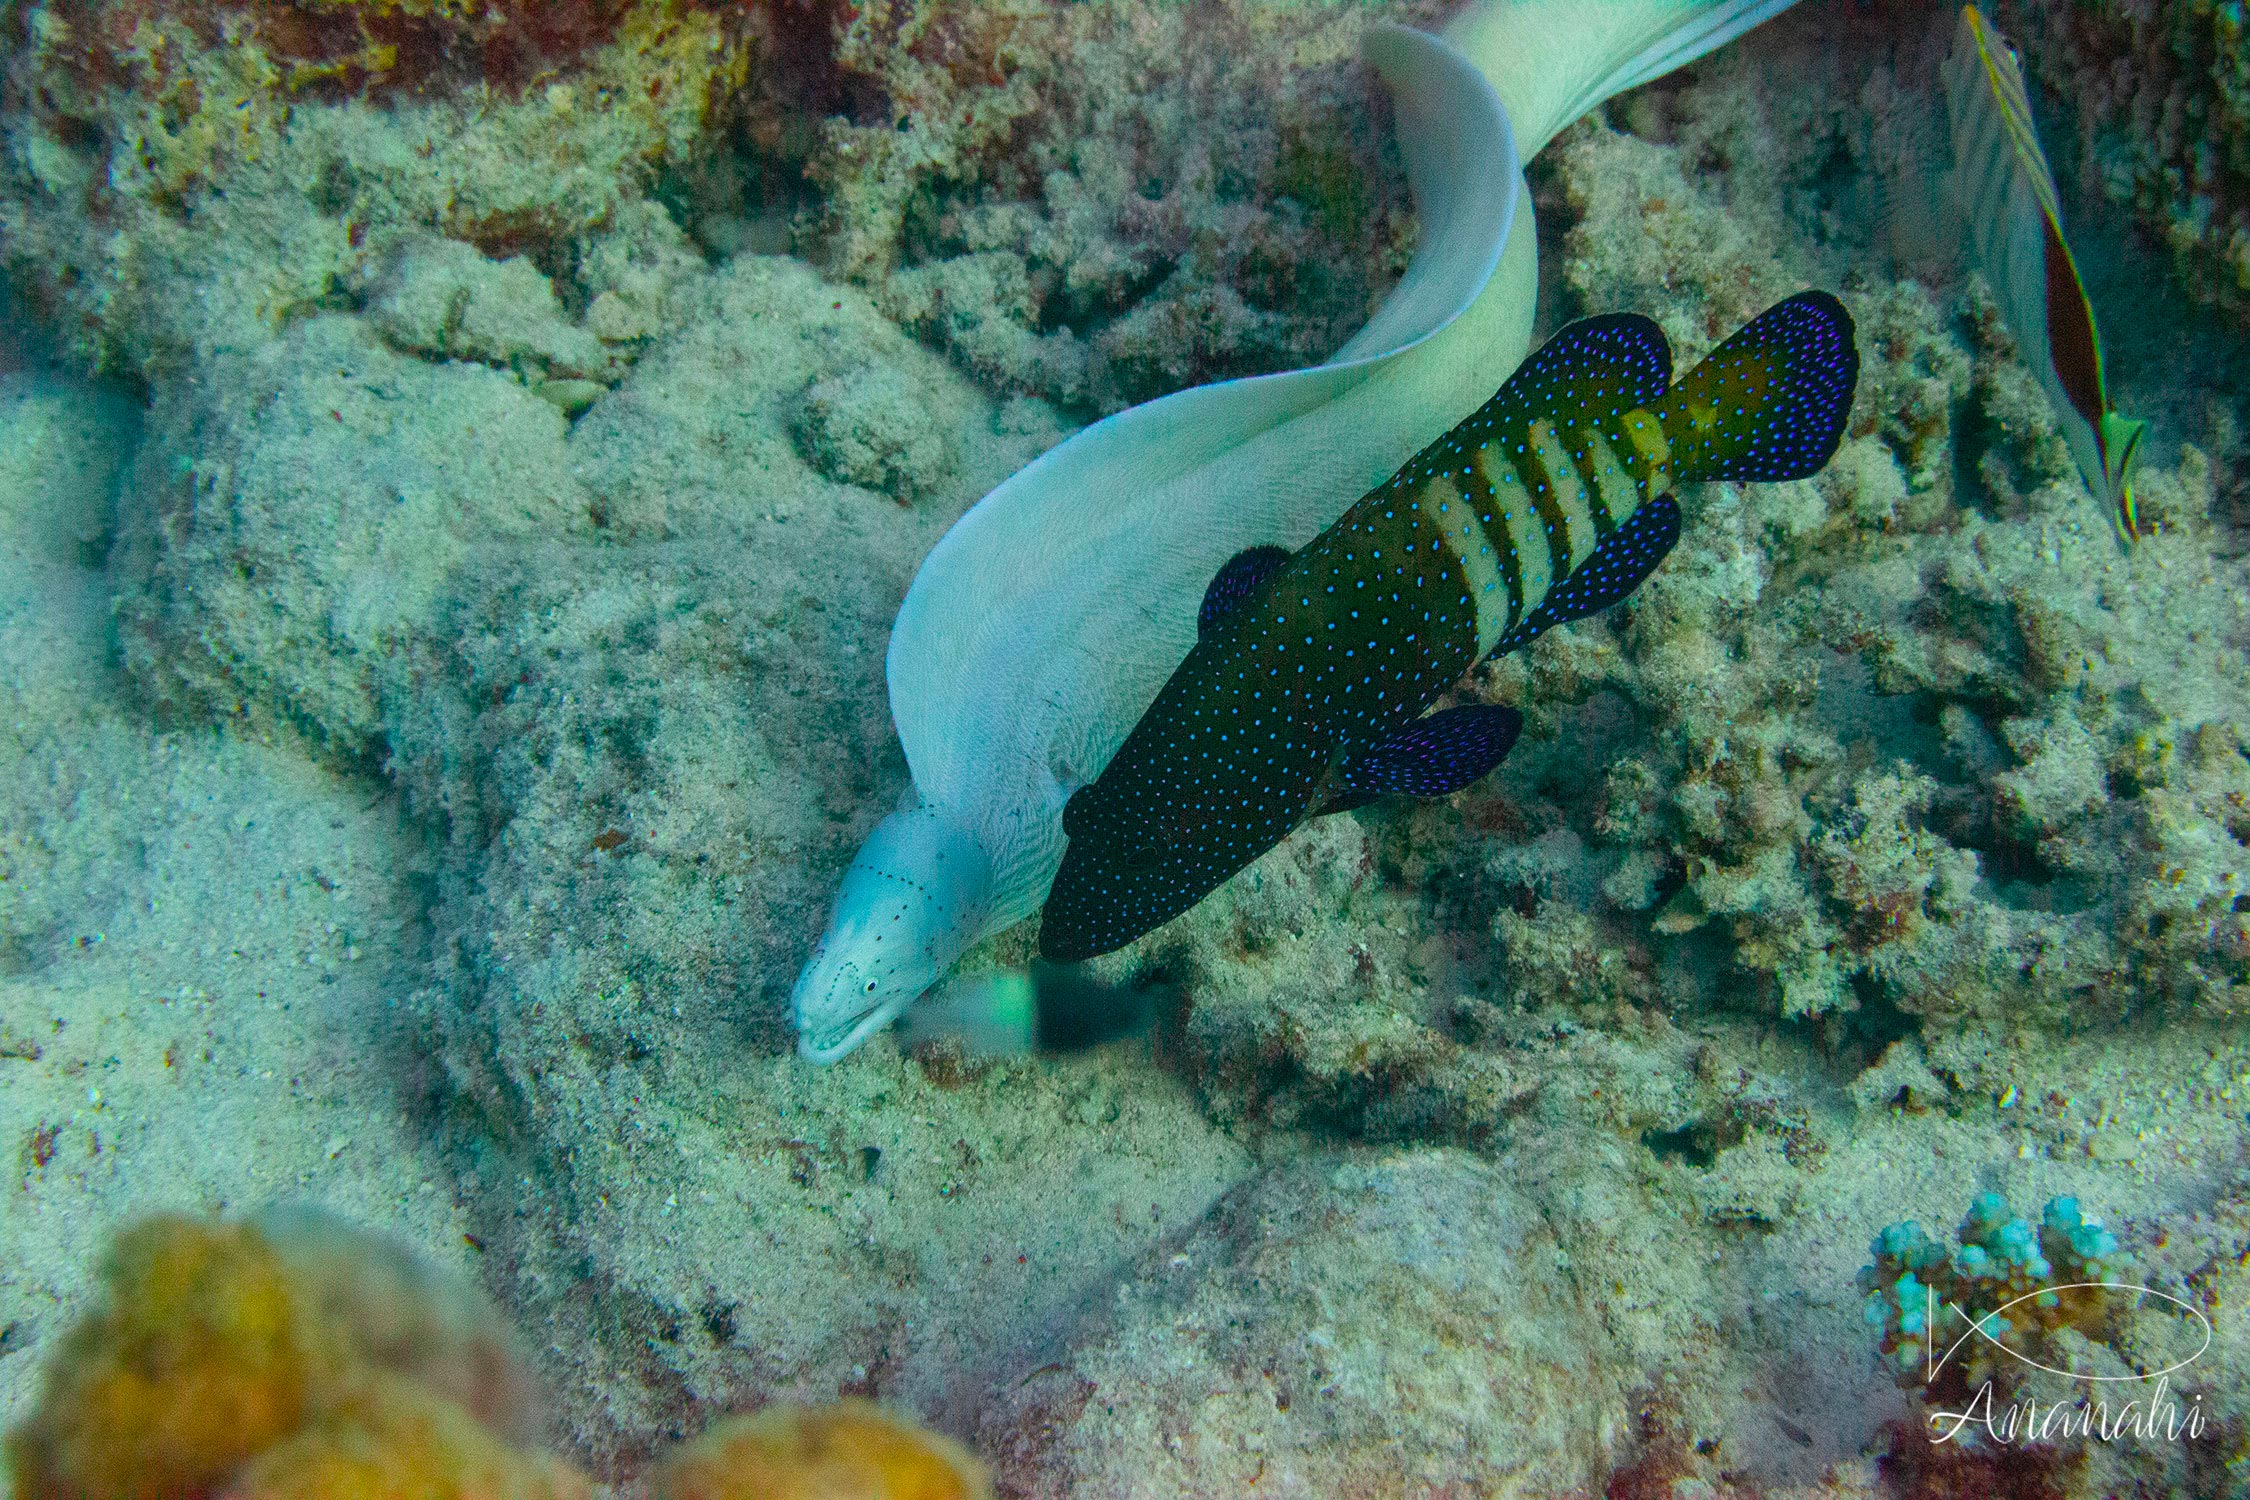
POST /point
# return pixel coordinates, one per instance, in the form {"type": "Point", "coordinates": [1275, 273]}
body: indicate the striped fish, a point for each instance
{"type": "Point", "coordinates": [2007, 196]}
{"type": "Point", "coordinates": [1306, 689]}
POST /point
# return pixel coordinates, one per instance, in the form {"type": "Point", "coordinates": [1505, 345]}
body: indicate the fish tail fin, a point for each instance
{"type": "Point", "coordinates": [1770, 402]}
{"type": "Point", "coordinates": [2121, 444]}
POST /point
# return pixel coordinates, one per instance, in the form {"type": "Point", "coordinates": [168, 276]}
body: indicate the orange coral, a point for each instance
{"type": "Point", "coordinates": [394, 1438]}
{"type": "Point", "coordinates": [293, 1355]}
{"type": "Point", "coordinates": [402, 1314]}
{"type": "Point", "coordinates": [852, 1450]}
{"type": "Point", "coordinates": [299, 1357]}
{"type": "Point", "coordinates": [196, 1357]}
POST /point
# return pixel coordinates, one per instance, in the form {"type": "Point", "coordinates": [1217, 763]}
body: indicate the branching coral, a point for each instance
{"type": "Point", "coordinates": [1992, 1308]}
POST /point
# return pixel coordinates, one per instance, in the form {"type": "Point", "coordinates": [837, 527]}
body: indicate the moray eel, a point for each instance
{"type": "Point", "coordinates": [1306, 691]}
{"type": "Point", "coordinates": [1043, 623]}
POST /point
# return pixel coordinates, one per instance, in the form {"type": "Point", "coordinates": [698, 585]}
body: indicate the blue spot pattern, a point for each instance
{"type": "Point", "coordinates": [1237, 579]}
{"type": "Point", "coordinates": [1307, 688]}
{"type": "Point", "coordinates": [1618, 566]}
{"type": "Point", "coordinates": [1436, 755]}
{"type": "Point", "coordinates": [1804, 347]}
{"type": "Point", "coordinates": [1606, 363]}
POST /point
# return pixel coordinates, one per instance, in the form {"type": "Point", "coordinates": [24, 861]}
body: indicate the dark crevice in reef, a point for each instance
{"type": "Point", "coordinates": [1877, 1022]}
{"type": "Point", "coordinates": [1697, 1143]}
{"type": "Point", "coordinates": [1559, 302]}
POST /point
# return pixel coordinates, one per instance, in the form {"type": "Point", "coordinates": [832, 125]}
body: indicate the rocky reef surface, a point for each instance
{"type": "Point", "coordinates": [443, 692]}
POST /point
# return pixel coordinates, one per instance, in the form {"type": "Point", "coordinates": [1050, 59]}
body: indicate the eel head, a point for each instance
{"type": "Point", "coordinates": [918, 894]}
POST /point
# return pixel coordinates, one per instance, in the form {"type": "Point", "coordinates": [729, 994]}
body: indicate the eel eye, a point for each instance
{"type": "Point", "coordinates": [869, 987]}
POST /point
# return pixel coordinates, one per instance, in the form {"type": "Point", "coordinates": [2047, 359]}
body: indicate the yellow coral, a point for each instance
{"type": "Point", "coordinates": [399, 1312]}
{"type": "Point", "coordinates": [852, 1450]}
{"type": "Point", "coordinates": [395, 1440]}
{"type": "Point", "coordinates": [293, 1355]}
{"type": "Point", "coordinates": [196, 1356]}
{"type": "Point", "coordinates": [299, 1357]}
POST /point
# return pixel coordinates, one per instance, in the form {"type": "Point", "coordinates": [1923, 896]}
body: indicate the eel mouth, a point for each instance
{"type": "Point", "coordinates": [833, 1045]}
{"type": "Point", "coordinates": [838, 1005]}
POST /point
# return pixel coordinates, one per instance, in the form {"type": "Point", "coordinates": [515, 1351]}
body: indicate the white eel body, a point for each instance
{"type": "Point", "coordinates": [1043, 623]}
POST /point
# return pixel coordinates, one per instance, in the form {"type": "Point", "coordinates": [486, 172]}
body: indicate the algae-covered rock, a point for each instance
{"type": "Point", "coordinates": [184, 178]}
{"type": "Point", "coordinates": [62, 452]}
{"type": "Point", "coordinates": [440, 298]}
{"type": "Point", "coordinates": [648, 749]}
{"type": "Point", "coordinates": [301, 511]}
{"type": "Point", "coordinates": [868, 425]}
{"type": "Point", "coordinates": [1400, 1325]}
{"type": "Point", "coordinates": [1100, 203]}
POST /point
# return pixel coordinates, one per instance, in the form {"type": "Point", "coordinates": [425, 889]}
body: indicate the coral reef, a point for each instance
{"type": "Point", "coordinates": [235, 606]}
{"type": "Point", "coordinates": [297, 1341]}
{"type": "Point", "coordinates": [2011, 1288]}
{"type": "Point", "coordinates": [1305, 976]}
{"type": "Point", "coordinates": [629, 678]}
{"type": "Point", "coordinates": [2162, 98]}
{"type": "Point", "coordinates": [1100, 203]}
{"type": "Point", "coordinates": [185, 177]}
{"type": "Point", "coordinates": [1078, 201]}
{"type": "Point", "coordinates": [1903, 736]}
{"type": "Point", "coordinates": [1889, 845]}
{"type": "Point", "coordinates": [795, 1453]}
